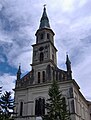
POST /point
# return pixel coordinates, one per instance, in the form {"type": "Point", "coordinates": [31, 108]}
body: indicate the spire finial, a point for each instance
{"type": "Point", "coordinates": [44, 5]}
{"type": "Point", "coordinates": [19, 65]}
{"type": "Point", "coordinates": [66, 53]}
{"type": "Point", "coordinates": [19, 69]}
{"type": "Point", "coordinates": [67, 58]}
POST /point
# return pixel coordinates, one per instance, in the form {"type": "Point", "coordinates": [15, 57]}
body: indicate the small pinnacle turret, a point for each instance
{"type": "Point", "coordinates": [19, 73]}
{"type": "Point", "coordinates": [68, 65]}
{"type": "Point", "coordinates": [44, 22]}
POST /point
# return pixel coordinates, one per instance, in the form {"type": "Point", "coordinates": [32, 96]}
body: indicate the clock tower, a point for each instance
{"type": "Point", "coordinates": [44, 51]}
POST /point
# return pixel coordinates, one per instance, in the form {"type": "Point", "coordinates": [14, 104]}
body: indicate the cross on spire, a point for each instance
{"type": "Point", "coordinates": [66, 53]}
{"type": "Point", "coordinates": [19, 64]}
{"type": "Point", "coordinates": [44, 5]}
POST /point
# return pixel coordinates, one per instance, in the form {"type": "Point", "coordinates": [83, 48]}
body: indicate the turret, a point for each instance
{"type": "Point", "coordinates": [44, 51]}
{"type": "Point", "coordinates": [44, 33]}
{"type": "Point", "coordinates": [68, 65]}
{"type": "Point", "coordinates": [19, 73]}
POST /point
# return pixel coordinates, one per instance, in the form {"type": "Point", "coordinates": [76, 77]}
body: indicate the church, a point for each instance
{"type": "Point", "coordinates": [31, 90]}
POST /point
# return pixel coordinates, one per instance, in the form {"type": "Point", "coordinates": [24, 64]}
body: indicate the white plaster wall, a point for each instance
{"type": "Point", "coordinates": [31, 93]}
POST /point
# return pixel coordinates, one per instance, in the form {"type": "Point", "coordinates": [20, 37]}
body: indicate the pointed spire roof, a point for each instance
{"type": "Point", "coordinates": [19, 69]}
{"type": "Point", "coordinates": [68, 65]}
{"type": "Point", "coordinates": [44, 22]}
{"type": "Point", "coordinates": [67, 59]}
{"type": "Point", "coordinates": [19, 73]}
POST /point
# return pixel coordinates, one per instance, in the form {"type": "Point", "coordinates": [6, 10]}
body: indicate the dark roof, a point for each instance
{"type": "Point", "coordinates": [67, 60]}
{"type": "Point", "coordinates": [44, 22]}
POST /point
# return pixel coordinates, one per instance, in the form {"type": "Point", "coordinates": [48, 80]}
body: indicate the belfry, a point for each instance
{"type": "Point", "coordinates": [31, 90]}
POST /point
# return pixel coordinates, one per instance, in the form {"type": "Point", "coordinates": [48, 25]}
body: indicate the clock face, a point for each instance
{"type": "Point", "coordinates": [41, 48]}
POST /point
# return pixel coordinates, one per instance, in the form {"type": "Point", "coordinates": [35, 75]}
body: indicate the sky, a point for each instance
{"type": "Point", "coordinates": [71, 22]}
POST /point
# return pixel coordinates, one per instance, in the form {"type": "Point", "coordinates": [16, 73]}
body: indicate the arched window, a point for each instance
{"type": "Point", "coordinates": [48, 36]}
{"type": "Point", "coordinates": [41, 56]}
{"type": "Point", "coordinates": [38, 77]}
{"type": "Point", "coordinates": [76, 102]}
{"type": "Point", "coordinates": [56, 75]}
{"type": "Point", "coordinates": [40, 107]}
{"type": "Point", "coordinates": [59, 76]}
{"type": "Point", "coordinates": [53, 74]}
{"type": "Point", "coordinates": [36, 107]}
{"type": "Point", "coordinates": [48, 73]}
{"type": "Point", "coordinates": [37, 39]}
{"type": "Point", "coordinates": [21, 108]}
{"type": "Point", "coordinates": [53, 57]}
{"type": "Point", "coordinates": [72, 107]}
{"type": "Point", "coordinates": [41, 36]}
{"type": "Point", "coordinates": [71, 92]}
{"type": "Point", "coordinates": [43, 75]}
{"type": "Point", "coordinates": [43, 101]}
{"type": "Point", "coordinates": [64, 104]}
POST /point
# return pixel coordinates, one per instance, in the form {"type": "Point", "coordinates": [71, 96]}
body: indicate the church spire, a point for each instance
{"type": "Point", "coordinates": [68, 65]}
{"type": "Point", "coordinates": [19, 73]}
{"type": "Point", "coordinates": [44, 22]}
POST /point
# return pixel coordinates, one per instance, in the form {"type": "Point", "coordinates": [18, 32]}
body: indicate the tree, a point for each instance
{"type": "Point", "coordinates": [65, 113]}
{"type": "Point", "coordinates": [56, 106]}
{"type": "Point", "coordinates": [7, 104]}
{"type": "Point", "coordinates": [0, 105]}
{"type": "Point", "coordinates": [0, 90]}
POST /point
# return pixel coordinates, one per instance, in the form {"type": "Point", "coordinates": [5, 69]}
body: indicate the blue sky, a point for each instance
{"type": "Point", "coordinates": [71, 22]}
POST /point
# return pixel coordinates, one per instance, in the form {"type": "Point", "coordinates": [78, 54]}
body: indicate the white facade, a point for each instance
{"type": "Point", "coordinates": [30, 94]}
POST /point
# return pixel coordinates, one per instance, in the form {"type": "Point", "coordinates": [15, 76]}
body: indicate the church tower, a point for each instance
{"type": "Point", "coordinates": [44, 51]}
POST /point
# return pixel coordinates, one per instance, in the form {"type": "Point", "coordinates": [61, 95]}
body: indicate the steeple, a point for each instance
{"type": "Point", "coordinates": [68, 65]}
{"type": "Point", "coordinates": [19, 73]}
{"type": "Point", "coordinates": [44, 33]}
{"type": "Point", "coordinates": [44, 22]}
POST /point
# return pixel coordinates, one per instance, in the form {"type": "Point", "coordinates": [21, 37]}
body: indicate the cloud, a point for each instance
{"type": "Point", "coordinates": [23, 57]}
{"type": "Point", "coordinates": [82, 75]}
{"type": "Point", "coordinates": [7, 81]}
{"type": "Point", "coordinates": [16, 32]}
{"type": "Point", "coordinates": [82, 3]}
{"type": "Point", "coordinates": [67, 5]}
{"type": "Point", "coordinates": [2, 59]}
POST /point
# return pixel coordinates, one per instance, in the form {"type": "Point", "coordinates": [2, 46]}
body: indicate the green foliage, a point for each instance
{"type": "Point", "coordinates": [0, 90]}
{"type": "Point", "coordinates": [65, 113]}
{"type": "Point", "coordinates": [0, 101]}
{"type": "Point", "coordinates": [56, 104]}
{"type": "Point", "coordinates": [6, 103]}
